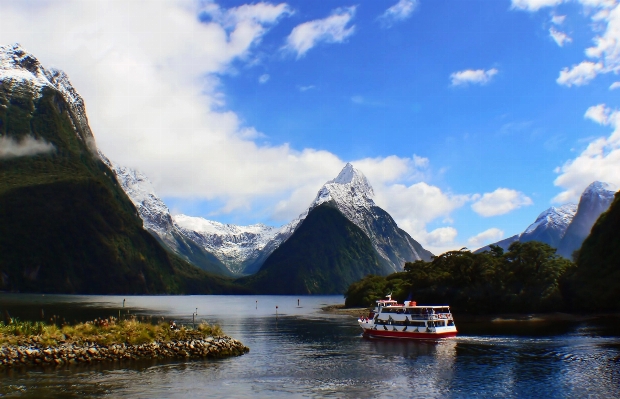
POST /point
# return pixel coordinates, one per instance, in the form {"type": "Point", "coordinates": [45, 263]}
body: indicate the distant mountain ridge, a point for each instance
{"type": "Point", "coordinates": [157, 219]}
{"type": "Point", "coordinates": [566, 227]}
{"type": "Point", "coordinates": [244, 249]}
{"type": "Point", "coordinates": [595, 200]}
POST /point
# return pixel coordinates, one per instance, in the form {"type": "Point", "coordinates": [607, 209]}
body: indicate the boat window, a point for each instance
{"type": "Point", "coordinates": [450, 322]}
{"type": "Point", "coordinates": [440, 323]}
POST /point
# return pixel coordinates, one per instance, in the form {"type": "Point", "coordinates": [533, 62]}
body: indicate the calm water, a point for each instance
{"type": "Point", "coordinates": [307, 353]}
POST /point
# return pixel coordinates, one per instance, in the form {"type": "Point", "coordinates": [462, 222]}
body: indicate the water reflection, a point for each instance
{"type": "Point", "coordinates": [307, 353]}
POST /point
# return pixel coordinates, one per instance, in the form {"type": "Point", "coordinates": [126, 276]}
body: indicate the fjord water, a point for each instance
{"type": "Point", "coordinates": [305, 352]}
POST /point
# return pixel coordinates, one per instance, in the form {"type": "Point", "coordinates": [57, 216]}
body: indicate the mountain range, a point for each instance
{"type": "Point", "coordinates": [244, 249]}
{"type": "Point", "coordinates": [567, 226]}
{"type": "Point", "coordinates": [72, 221]}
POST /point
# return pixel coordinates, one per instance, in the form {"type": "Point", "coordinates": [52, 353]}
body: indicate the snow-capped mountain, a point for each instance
{"type": "Point", "coordinates": [157, 219]}
{"type": "Point", "coordinates": [595, 200]}
{"type": "Point", "coordinates": [238, 247]}
{"type": "Point", "coordinates": [243, 249]}
{"type": "Point", "coordinates": [550, 226]}
{"type": "Point", "coordinates": [567, 226]}
{"type": "Point", "coordinates": [23, 76]}
{"type": "Point", "coordinates": [352, 194]}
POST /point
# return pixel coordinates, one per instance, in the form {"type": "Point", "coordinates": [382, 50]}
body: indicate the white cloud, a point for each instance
{"type": "Point", "coordinates": [398, 12]}
{"type": "Point", "coordinates": [580, 74]}
{"type": "Point", "coordinates": [264, 78]}
{"type": "Point", "coordinates": [332, 29]}
{"type": "Point", "coordinates": [28, 146]}
{"type": "Point", "coordinates": [605, 52]}
{"type": "Point", "coordinates": [478, 76]}
{"type": "Point", "coordinates": [598, 3]}
{"type": "Point", "coordinates": [607, 48]}
{"type": "Point", "coordinates": [500, 202]}
{"type": "Point", "coordinates": [150, 81]}
{"type": "Point", "coordinates": [306, 88]}
{"type": "Point", "coordinates": [441, 240]}
{"type": "Point", "coordinates": [558, 19]}
{"type": "Point", "coordinates": [614, 86]}
{"type": "Point", "coordinates": [599, 161]}
{"type": "Point", "coordinates": [534, 5]}
{"type": "Point", "coordinates": [559, 37]}
{"type": "Point", "coordinates": [598, 113]}
{"type": "Point", "coordinates": [486, 237]}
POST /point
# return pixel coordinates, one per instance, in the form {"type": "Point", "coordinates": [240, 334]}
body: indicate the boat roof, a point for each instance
{"type": "Point", "coordinates": [389, 302]}
{"type": "Point", "coordinates": [400, 305]}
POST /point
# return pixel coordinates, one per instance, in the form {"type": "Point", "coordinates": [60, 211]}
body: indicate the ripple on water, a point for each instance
{"type": "Point", "coordinates": [317, 356]}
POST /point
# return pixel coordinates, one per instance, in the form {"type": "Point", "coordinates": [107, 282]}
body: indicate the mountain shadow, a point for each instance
{"type": "Point", "coordinates": [325, 255]}
{"type": "Point", "coordinates": [595, 286]}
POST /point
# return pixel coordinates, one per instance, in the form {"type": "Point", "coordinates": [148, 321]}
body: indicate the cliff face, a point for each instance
{"type": "Point", "coordinates": [595, 200]}
{"type": "Point", "coordinates": [65, 223]}
{"type": "Point", "coordinates": [596, 283]}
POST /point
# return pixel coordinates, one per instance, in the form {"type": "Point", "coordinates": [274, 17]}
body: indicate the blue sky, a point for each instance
{"type": "Point", "coordinates": [469, 117]}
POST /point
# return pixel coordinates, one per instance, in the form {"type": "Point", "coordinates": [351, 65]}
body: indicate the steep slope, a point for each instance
{"type": "Point", "coordinates": [237, 247]}
{"type": "Point", "coordinates": [65, 224]}
{"type": "Point", "coordinates": [352, 195]}
{"type": "Point", "coordinates": [549, 227]}
{"type": "Point", "coordinates": [593, 202]}
{"type": "Point", "coordinates": [596, 283]}
{"type": "Point", "coordinates": [244, 249]}
{"type": "Point", "coordinates": [158, 221]}
{"type": "Point", "coordinates": [323, 256]}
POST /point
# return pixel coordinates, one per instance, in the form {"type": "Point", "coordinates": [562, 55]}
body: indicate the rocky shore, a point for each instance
{"type": "Point", "coordinates": [34, 354]}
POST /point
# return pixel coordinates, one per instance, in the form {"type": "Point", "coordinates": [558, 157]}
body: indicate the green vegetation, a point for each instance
{"type": "Point", "coordinates": [595, 283]}
{"type": "Point", "coordinates": [100, 331]}
{"type": "Point", "coordinates": [66, 226]}
{"type": "Point", "coordinates": [324, 256]}
{"type": "Point", "coordinates": [527, 278]}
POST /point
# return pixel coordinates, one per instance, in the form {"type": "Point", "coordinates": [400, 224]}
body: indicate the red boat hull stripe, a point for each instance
{"type": "Point", "coordinates": [407, 335]}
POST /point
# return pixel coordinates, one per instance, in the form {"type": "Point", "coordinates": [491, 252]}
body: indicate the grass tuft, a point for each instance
{"type": "Point", "coordinates": [99, 331]}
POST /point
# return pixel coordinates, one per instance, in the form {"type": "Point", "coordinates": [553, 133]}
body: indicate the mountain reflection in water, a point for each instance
{"type": "Point", "coordinates": [305, 352]}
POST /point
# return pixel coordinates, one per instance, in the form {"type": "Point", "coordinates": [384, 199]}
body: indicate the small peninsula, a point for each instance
{"type": "Point", "coordinates": [37, 344]}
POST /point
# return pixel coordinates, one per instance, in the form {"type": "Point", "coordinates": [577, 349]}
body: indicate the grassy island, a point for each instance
{"type": "Point", "coordinates": [24, 343]}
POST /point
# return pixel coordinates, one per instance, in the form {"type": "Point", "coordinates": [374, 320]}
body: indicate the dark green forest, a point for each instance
{"type": "Point", "coordinates": [529, 277]}
{"type": "Point", "coordinates": [324, 256]}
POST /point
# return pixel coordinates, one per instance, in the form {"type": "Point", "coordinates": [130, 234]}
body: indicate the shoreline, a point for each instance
{"type": "Point", "coordinates": [34, 354]}
{"type": "Point", "coordinates": [493, 318]}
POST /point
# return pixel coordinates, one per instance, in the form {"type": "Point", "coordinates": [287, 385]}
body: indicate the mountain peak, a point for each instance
{"type": "Point", "coordinates": [355, 179]}
{"type": "Point", "coordinates": [554, 217]}
{"type": "Point", "coordinates": [347, 174]}
{"type": "Point", "coordinates": [598, 187]}
{"type": "Point", "coordinates": [22, 74]}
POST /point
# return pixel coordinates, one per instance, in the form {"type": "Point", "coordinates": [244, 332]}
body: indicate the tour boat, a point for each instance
{"type": "Point", "coordinates": [407, 321]}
